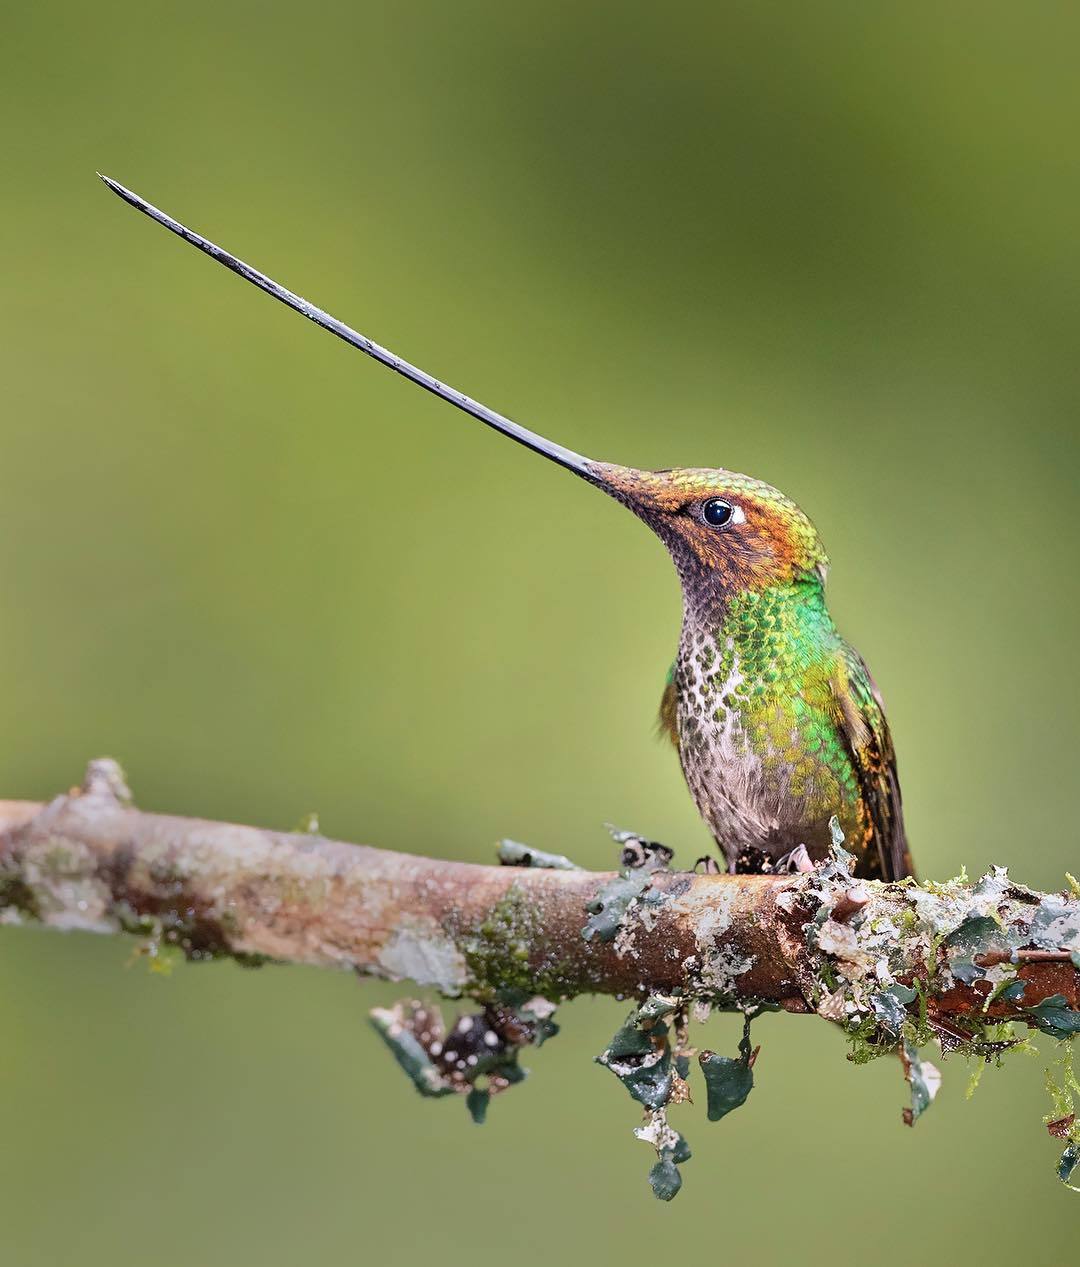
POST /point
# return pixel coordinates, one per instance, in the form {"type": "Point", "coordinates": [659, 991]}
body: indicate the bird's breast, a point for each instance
{"type": "Point", "coordinates": [751, 742]}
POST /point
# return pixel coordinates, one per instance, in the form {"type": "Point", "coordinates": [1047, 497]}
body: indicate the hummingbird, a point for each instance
{"type": "Point", "coordinates": [779, 726]}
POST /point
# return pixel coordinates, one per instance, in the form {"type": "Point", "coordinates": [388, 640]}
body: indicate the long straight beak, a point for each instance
{"type": "Point", "coordinates": [591, 471]}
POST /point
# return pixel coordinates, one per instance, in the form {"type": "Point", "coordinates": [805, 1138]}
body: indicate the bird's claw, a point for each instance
{"type": "Point", "coordinates": [751, 860]}
{"type": "Point", "coordinates": [795, 862]}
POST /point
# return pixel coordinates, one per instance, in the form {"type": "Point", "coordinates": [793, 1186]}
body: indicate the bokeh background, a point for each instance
{"type": "Point", "coordinates": [832, 245]}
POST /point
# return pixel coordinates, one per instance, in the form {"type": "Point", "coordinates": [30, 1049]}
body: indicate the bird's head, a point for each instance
{"type": "Point", "coordinates": [727, 533]}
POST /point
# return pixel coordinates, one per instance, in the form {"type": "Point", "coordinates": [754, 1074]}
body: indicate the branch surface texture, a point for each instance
{"type": "Point", "coordinates": [895, 965]}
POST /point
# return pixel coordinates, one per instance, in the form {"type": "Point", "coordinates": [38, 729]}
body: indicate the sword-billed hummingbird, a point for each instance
{"type": "Point", "coordinates": [778, 723]}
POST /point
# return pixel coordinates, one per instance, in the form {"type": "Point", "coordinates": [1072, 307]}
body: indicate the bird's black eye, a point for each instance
{"type": "Point", "coordinates": [717, 513]}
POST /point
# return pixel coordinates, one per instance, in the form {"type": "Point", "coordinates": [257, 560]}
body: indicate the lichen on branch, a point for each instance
{"type": "Point", "coordinates": [896, 966]}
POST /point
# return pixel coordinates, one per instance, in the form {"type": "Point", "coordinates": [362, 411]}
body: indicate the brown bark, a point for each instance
{"type": "Point", "coordinates": [89, 860]}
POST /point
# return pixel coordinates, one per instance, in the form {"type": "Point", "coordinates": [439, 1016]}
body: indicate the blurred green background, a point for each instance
{"type": "Point", "coordinates": [831, 245]}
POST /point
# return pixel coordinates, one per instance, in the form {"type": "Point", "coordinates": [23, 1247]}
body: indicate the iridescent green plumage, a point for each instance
{"type": "Point", "coordinates": [799, 707]}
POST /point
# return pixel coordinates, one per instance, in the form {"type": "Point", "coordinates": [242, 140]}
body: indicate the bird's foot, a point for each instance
{"type": "Point", "coordinates": [750, 860]}
{"type": "Point", "coordinates": [638, 854]}
{"type": "Point", "coordinates": [796, 862]}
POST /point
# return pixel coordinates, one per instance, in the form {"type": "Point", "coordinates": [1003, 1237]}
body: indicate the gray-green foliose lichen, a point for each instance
{"type": "Point", "coordinates": [728, 1080]}
{"type": "Point", "coordinates": [654, 1070]}
{"type": "Point", "coordinates": [890, 1007]}
{"type": "Point", "coordinates": [612, 903]}
{"type": "Point", "coordinates": [639, 1055]}
{"type": "Point", "coordinates": [513, 854]}
{"type": "Point", "coordinates": [672, 1151]}
{"type": "Point", "coordinates": [924, 1080]}
{"type": "Point", "coordinates": [1053, 1016]}
{"type": "Point", "coordinates": [957, 934]}
{"type": "Point", "coordinates": [860, 954]}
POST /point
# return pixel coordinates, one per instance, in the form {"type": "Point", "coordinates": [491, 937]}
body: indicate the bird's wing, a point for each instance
{"type": "Point", "coordinates": [865, 732]}
{"type": "Point", "coordinates": [667, 724]}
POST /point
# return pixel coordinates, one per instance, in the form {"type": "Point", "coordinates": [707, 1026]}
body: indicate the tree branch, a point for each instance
{"type": "Point", "coordinates": [89, 860]}
{"type": "Point", "coordinates": [893, 964]}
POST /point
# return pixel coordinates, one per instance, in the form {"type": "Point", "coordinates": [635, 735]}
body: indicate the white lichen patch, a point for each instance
{"type": "Point", "coordinates": [538, 1008]}
{"type": "Point", "coordinates": [657, 1131]}
{"type": "Point", "coordinates": [931, 1078]}
{"type": "Point", "coordinates": [61, 876]}
{"type": "Point", "coordinates": [713, 913]}
{"type": "Point", "coordinates": [638, 917]}
{"type": "Point", "coordinates": [988, 894]}
{"type": "Point", "coordinates": [722, 966]}
{"type": "Point", "coordinates": [942, 908]}
{"type": "Point", "coordinates": [1055, 925]}
{"type": "Point", "coordinates": [419, 950]}
{"type": "Point", "coordinates": [787, 900]}
{"type": "Point", "coordinates": [843, 943]}
{"type": "Point", "coordinates": [870, 963]}
{"type": "Point", "coordinates": [714, 920]}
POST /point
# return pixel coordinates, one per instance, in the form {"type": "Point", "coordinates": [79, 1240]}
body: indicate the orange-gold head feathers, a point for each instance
{"type": "Point", "coordinates": [726, 532]}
